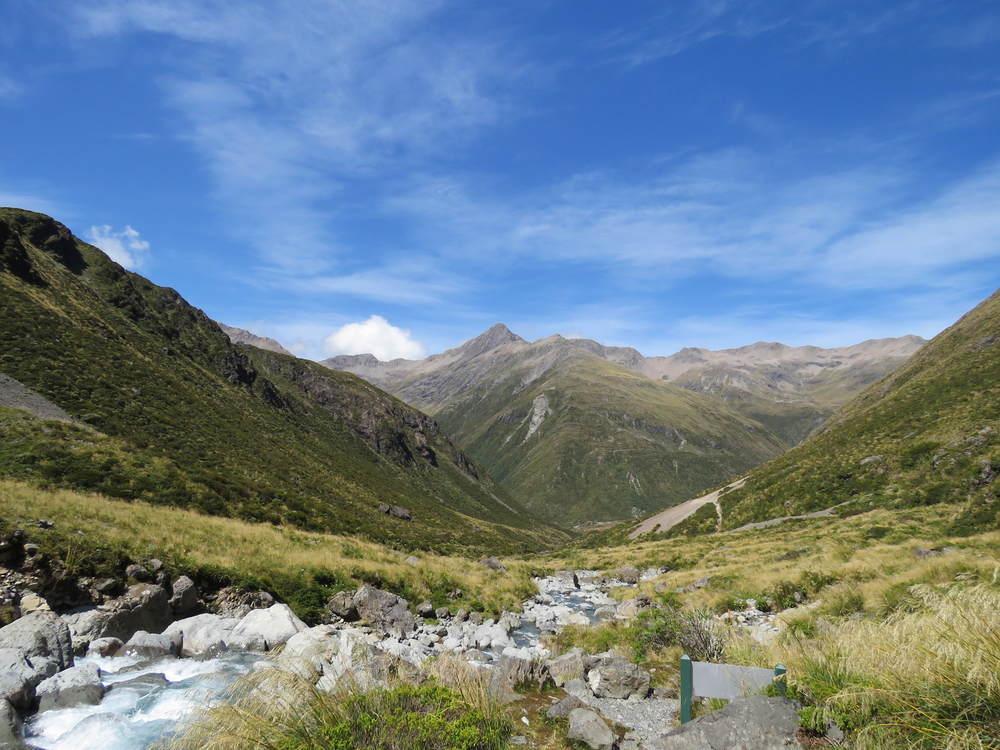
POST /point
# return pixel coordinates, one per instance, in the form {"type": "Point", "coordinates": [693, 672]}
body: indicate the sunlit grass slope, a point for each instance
{"type": "Point", "coordinates": [193, 421]}
{"type": "Point", "coordinates": [305, 568]}
{"type": "Point", "coordinates": [926, 434]}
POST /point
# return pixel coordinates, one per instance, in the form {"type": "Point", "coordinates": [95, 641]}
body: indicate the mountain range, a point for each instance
{"type": "Point", "coordinates": [167, 410]}
{"type": "Point", "coordinates": [581, 432]}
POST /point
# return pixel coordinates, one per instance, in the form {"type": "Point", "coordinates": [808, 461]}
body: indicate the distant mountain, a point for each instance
{"type": "Point", "coordinates": [241, 336]}
{"type": "Point", "coordinates": [585, 432]}
{"type": "Point", "coordinates": [184, 417]}
{"type": "Point", "coordinates": [573, 437]}
{"type": "Point", "coordinates": [928, 433]}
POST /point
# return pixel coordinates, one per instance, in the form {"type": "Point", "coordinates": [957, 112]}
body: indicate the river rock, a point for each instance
{"type": "Point", "coordinates": [425, 609]}
{"type": "Point", "coordinates": [387, 613]}
{"type": "Point", "coordinates": [619, 678]}
{"type": "Point", "coordinates": [184, 595]}
{"type": "Point", "coordinates": [567, 667]}
{"type": "Point", "coordinates": [104, 647]}
{"type": "Point", "coordinates": [33, 603]}
{"type": "Point", "coordinates": [80, 684]}
{"type": "Point", "coordinates": [758, 721]}
{"type": "Point", "coordinates": [569, 577]}
{"type": "Point", "coordinates": [588, 727]}
{"type": "Point", "coordinates": [145, 606]}
{"type": "Point", "coordinates": [42, 634]}
{"type": "Point", "coordinates": [10, 726]}
{"type": "Point", "coordinates": [152, 646]}
{"type": "Point", "coordinates": [509, 673]}
{"type": "Point", "coordinates": [204, 635]}
{"type": "Point", "coordinates": [341, 604]}
{"type": "Point", "coordinates": [16, 689]}
{"type": "Point", "coordinates": [263, 629]}
{"type": "Point", "coordinates": [628, 574]}
{"type": "Point", "coordinates": [33, 669]}
{"type": "Point", "coordinates": [236, 602]}
{"type": "Point", "coordinates": [137, 573]}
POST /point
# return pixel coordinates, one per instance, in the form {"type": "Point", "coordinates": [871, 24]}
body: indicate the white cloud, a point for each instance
{"type": "Point", "coordinates": [122, 247]}
{"type": "Point", "coordinates": [374, 336]}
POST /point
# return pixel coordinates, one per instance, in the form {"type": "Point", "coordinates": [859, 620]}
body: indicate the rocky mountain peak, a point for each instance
{"type": "Point", "coordinates": [497, 335]}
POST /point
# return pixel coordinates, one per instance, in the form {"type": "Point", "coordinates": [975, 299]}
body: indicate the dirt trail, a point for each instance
{"type": "Point", "coordinates": [669, 518]}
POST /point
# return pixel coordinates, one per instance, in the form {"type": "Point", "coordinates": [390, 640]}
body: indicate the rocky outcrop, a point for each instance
{"type": "Point", "coordinates": [145, 606]}
{"type": "Point", "coordinates": [236, 602]}
{"type": "Point", "coordinates": [619, 678]}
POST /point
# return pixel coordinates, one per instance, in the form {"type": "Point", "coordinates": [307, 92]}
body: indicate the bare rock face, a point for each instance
{"type": "Point", "coordinates": [619, 678]}
{"type": "Point", "coordinates": [387, 613]}
{"type": "Point", "coordinates": [510, 671]}
{"type": "Point", "coordinates": [395, 511]}
{"type": "Point", "coordinates": [341, 604]}
{"type": "Point", "coordinates": [234, 602]}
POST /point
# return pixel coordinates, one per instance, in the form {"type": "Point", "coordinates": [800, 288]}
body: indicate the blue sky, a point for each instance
{"type": "Point", "coordinates": [398, 175]}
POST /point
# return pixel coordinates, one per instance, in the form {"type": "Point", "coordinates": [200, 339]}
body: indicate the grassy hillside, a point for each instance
{"type": "Point", "coordinates": [187, 419]}
{"type": "Point", "coordinates": [926, 434]}
{"type": "Point", "coordinates": [579, 439]}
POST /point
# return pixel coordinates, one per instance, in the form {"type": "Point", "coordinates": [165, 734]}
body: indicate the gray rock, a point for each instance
{"type": "Point", "coordinates": [40, 633]}
{"type": "Point", "coordinates": [143, 684]}
{"type": "Point", "coordinates": [492, 563]}
{"type": "Point", "coordinates": [341, 604]}
{"type": "Point", "coordinates": [137, 572]}
{"type": "Point", "coordinates": [619, 678]}
{"type": "Point", "coordinates": [442, 613]}
{"type": "Point", "coordinates": [154, 564]}
{"type": "Point", "coordinates": [151, 646]}
{"type": "Point", "coordinates": [104, 647]}
{"type": "Point", "coordinates": [425, 608]}
{"type": "Point", "coordinates": [185, 595]}
{"type": "Point", "coordinates": [32, 671]}
{"type": "Point", "coordinates": [511, 672]}
{"type": "Point", "coordinates": [756, 722]}
{"type": "Point", "coordinates": [202, 636]}
{"type": "Point", "coordinates": [568, 577]}
{"type": "Point", "coordinates": [563, 708]}
{"type": "Point", "coordinates": [235, 602]}
{"type": "Point", "coordinates": [628, 574]}
{"type": "Point", "coordinates": [268, 627]}
{"type": "Point", "coordinates": [10, 726]}
{"type": "Point", "coordinates": [567, 667]}
{"type": "Point", "coordinates": [16, 689]}
{"type": "Point", "coordinates": [145, 606]}
{"type": "Point", "coordinates": [412, 561]}
{"type": "Point", "coordinates": [387, 613]}
{"type": "Point", "coordinates": [395, 511]}
{"type": "Point", "coordinates": [33, 603]}
{"type": "Point", "coordinates": [476, 618]}
{"type": "Point", "coordinates": [588, 727]}
{"type": "Point", "coordinates": [81, 684]}
{"type": "Point", "coordinates": [578, 687]}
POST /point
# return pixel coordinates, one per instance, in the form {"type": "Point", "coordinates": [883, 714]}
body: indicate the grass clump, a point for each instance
{"type": "Point", "coordinates": [278, 710]}
{"type": "Point", "coordinates": [927, 678]}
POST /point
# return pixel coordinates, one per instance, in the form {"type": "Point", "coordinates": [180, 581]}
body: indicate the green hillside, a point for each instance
{"type": "Point", "coordinates": [926, 434]}
{"type": "Point", "coordinates": [578, 439]}
{"type": "Point", "coordinates": [184, 418]}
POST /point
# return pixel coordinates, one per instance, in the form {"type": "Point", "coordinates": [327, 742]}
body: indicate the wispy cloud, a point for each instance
{"type": "Point", "coordinates": [122, 247]}
{"type": "Point", "coordinates": [8, 87]}
{"type": "Point", "coordinates": [290, 103]}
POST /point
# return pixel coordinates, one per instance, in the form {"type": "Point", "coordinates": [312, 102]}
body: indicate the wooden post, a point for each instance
{"type": "Point", "coordinates": [687, 688]}
{"type": "Point", "coordinates": [780, 679]}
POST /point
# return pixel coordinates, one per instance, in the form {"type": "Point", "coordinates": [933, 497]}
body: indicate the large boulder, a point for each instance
{"type": "Point", "coordinates": [628, 574]}
{"type": "Point", "coordinates": [588, 727]}
{"type": "Point", "coordinates": [40, 634]}
{"type": "Point", "coordinates": [145, 606]}
{"type": "Point", "coordinates": [759, 722]}
{"type": "Point", "coordinates": [151, 646]}
{"type": "Point", "coordinates": [184, 596]}
{"type": "Point", "coordinates": [16, 689]}
{"type": "Point", "coordinates": [387, 613]}
{"type": "Point", "coordinates": [204, 635]}
{"type": "Point", "coordinates": [341, 604]}
{"type": "Point", "coordinates": [509, 673]}
{"type": "Point", "coordinates": [619, 678]}
{"type": "Point", "coordinates": [236, 602]}
{"type": "Point", "coordinates": [567, 667]}
{"type": "Point", "coordinates": [263, 629]}
{"type": "Point", "coordinates": [80, 684]}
